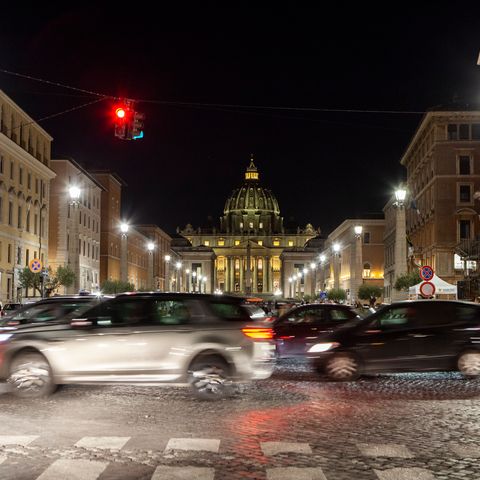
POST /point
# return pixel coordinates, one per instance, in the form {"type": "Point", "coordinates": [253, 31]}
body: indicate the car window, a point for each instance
{"type": "Point", "coordinates": [467, 313]}
{"type": "Point", "coordinates": [341, 314]}
{"type": "Point", "coordinates": [120, 312]}
{"type": "Point", "coordinates": [230, 311]}
{"type": "Point", "coordinates": [396, 317]}
{"type": "Point", "coordinates": [38, 313]}
{"type": "Point", "coordinates": [169, 312]}
{"type": "Point", "coordinates": [254, 311]}
{"type": "Point", "coordinates": [304, 316]}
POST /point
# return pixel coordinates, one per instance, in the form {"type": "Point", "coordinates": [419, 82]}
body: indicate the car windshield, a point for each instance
{"type": "Point", "coordinates": [255, 311]}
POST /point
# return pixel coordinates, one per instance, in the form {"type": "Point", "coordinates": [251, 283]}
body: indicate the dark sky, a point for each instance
{"type": "Point", "coordinates": [322, 166]}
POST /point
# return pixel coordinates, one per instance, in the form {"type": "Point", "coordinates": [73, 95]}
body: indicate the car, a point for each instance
{"type": "Point", "coordinates": [410, 336]}
{"type": "Point", "coordinates": [258, 313]}
{"type": "Point", "coordinates": [9, 308]}
{"type": "Point", "coordinates": [48, 309]}
{"type": "Point", "coordinates": [206, 341]}
{"type": "Point", "coordinates": [298, 329]}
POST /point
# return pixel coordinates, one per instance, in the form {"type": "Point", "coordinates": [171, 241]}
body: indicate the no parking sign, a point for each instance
{"type": "Point", "coordinates": [35, 265]}
{"type": "Point", "coordinates": [426, 273]}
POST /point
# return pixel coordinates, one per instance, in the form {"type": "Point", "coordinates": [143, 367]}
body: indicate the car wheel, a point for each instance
{"type": "Point", "coordinates": [31, 376]}
{"type": "Point", "coordinates": [342, 367]}
{"type": "Point", "coordinates": [469, 364]}
{"type": "Point", "coordinates": [209, 378]}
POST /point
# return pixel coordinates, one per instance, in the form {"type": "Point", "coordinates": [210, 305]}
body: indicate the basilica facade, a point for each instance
{"type": "Point", "coordinates": [250, 251]}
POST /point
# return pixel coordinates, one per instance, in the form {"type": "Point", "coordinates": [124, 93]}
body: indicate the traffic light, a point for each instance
{"type": "Point", "coordinates": [128, 122]}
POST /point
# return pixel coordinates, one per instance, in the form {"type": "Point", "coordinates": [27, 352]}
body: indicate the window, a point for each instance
{"type": "Point", "coordinates": [19, 255]}
{"type": "Point", "coordinates": [341, 314]}
{"type": "Point", "coordinates": [20, 175]}
{"type": "Point", "coordinates": [27, 226]}
{"type": "Point", "coordinates": [276, 243]}
{"type": "Point", "coordinates": [464, 229]}
{"type": "Point", "coordinates": [170, 312]}
{"type": "Point", "coordinates": [260, 225]}
{"type": "Point", "coordinates": [366, 237]}
{"type": "Point", "coordinates": [27, 257]}
{"type": "Point", "coordinates": [476, 131]}
{"type": "Point", "coordinates": [237, 242]}
{"type": "Point", "coordinates": [11, 170]}
{"type": "Point", "coordinates": [290, 243]}
{"type": "Point", "coordinates": [464, 165]}
{"type": "Point", "coordinates": [452, 132]}
{"type": "Point", "coordinates": [230, 311]}
{"type": "Point", "coordinates": [367, 271]}
{"type": "Point", "coordinates": [35, 224]}
{"type": "Point", "coordinates": [397, 317]}
{"type": "Point", "coordinates": [19, 216]}
{"type": "Point", "coordinates": [260, 242]}
{"type": "Point", "coordinates": [464, 194]}
{"type": "Point", "coordinates": [36, 185]}
{"type": "Point", "coordinates": [464, 132]}
{"type": "Point", "coordinates": [1, 164]}
{"type": "Point", "coordinates": [10, 213]}
{"type": "Point", "coordinates": [250, 225]}
{"type": "Point", "coordinates": [29, 181]}
{"type": "Point", "coordinates": [9, 253]}
{"type": "Point", "coordinates": [221, 243]}
{"type": "Point", "coordinates": [206, 243]}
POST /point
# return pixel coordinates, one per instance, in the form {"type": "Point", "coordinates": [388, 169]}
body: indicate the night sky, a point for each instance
{"type": "Point", "coordinates": [322, 166]}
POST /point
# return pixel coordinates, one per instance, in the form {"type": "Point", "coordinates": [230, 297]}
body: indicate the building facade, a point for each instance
{"type": "Point", "coordinates": [249, 250]}
{"type": "Point", "coordinates": [443, 178]}
{"type": "Point", "coordinates": [352, 258]}
{"type": "Point", "coordinates": [25, 175]}
{"type": "Point", "coordinates": [74, 233]}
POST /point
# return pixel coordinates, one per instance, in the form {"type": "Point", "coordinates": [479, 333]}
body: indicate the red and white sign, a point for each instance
{"type": "Point", "coordinates": [427, 289]}
{"type": "Point", "coordinates": [426, 273]}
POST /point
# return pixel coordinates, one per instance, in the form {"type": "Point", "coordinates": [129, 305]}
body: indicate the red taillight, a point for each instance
{"type": "Point", "coordinates": [258, 333]}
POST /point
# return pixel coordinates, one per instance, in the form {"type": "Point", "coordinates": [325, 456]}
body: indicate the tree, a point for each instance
{"type": "Point", "coordinates": [366, 291]}
{"type": "Point", "coordinates": [337, 294]}
{"type": "Point", "coordinates": [28, 279]}
{"type": "Point", "coordinates": [116, 286]}
{"type": "Point", "coordinates": [404, 282]}
{"type": "Point", "coordinates": [64, 276]}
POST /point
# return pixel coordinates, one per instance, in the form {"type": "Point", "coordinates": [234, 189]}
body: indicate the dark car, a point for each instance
{"type": "Point", "coordinates": [10, 308]}
{"type": "Point", "coordinates": [298, 329]}
{"type": "Point", "coordinates": [48, 310]}
{"type": "Point", "coordinates": [423, 335]}
{"type": "Point", "coordinates": [206, 341]}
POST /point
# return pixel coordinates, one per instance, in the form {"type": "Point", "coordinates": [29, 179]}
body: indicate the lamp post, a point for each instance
{"type": "Point", "coordinates": [194, 281]}
{"type": "Point", "coordinates": [187, 280]}
{"type": "Point", "coordinates": [313, 268]}
{"type": "Point", "coordinates": [124, 227]}
{"type": "Point", "coordinates": [74, 193]}
{"type": "Point", "coordinates": [178, 267]}
{"type": "Point", "coordinates": [336, 266]}
{"type": "Point", "coordinates": [400, 235]}
{"type": "Point", "coordinates": [322, 258]}
{"type": "Point", "coordinates": [166, 286]}
{"type": "Point", "coordinates": [204, 279]}
{"type": "Point", "coordinates": [357, 276]}
{"type": "Point", "coordinates": [290, 282]}
{"type": "Point", "coordinates": [150, 248]}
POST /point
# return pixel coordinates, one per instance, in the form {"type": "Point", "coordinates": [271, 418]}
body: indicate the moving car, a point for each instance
{"type": "Point", "coordinates": [9, 308]}
{"type": "Point", "coordinates": [298, 329]}
{"type": "Point", "coordinates": [206, 341]}
{"type": "Point", "coordinates": [423, 335]}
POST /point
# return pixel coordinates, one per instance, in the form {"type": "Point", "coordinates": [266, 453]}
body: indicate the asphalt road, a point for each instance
{"type": "Point", "coordinates": [293, 426]}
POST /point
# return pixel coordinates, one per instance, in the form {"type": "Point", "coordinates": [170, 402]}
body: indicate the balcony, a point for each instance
{"type": "Point", "coordinates": [469, 249]}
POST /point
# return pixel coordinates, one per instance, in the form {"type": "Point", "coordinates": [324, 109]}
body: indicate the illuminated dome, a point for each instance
{"type": "Point", "coordinates": [252, 208]}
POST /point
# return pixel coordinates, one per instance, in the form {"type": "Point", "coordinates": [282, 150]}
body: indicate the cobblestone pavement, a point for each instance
{"type": "Point", "coordinates": [293, 426]}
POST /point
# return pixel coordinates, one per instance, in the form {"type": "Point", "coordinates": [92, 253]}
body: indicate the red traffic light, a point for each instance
{"type": "Point", "coordinates": [120, 112]}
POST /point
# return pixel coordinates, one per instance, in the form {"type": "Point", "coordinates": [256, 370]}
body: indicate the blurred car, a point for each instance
{"type": "Point", "coordinates": [48, 310]}
{"type": "Point", "coordinates": [205, 341]}
{"type": "Point", "coordinates": [258, 313]}
{"type": "Point", "coordinates": [9, 308]}
{"type": "Point", "coordinates": [298, 329]}
{"type": "Point", "coordinates": [423, 335]}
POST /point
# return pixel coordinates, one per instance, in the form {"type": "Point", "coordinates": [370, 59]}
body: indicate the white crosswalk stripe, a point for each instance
{"type": "Point", "coordinates": [470, 451]}
{"type": "Point", "coordinates": [404, 474]}
{"type": "Point", "coordinates": [384, 450]}
{"type": "Point", "coordinates": [273, 448]}
{"type": "Point", "coordinates": [108, 443]}
{"type": "Point", "coordinates": [22, 440]}
{"type": "Point", "coordinates": [73, 470]}
{"type": "Point", "coordinates": [183, 473]}
{"type": "Point", "coordinates": [297, 473]}
{"type": "Point", "coordinates": [197, 444]}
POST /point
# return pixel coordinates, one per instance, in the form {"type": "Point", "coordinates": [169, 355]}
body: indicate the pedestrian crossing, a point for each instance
{"type": "Point", "coordinates": [86, 469]}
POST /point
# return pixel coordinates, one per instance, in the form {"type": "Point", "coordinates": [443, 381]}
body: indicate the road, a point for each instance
{"type": "Point", "coordinates": [290, 427]}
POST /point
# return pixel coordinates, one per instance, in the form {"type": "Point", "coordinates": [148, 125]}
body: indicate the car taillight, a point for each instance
{"type": "Point", "coordinates": [258, 333]}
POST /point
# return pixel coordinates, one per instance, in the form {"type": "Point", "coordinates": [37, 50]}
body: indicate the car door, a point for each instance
{"type": "Point", "coordinates": [385, 342]}
{"type": "Point", "coordinates": [298, 329]}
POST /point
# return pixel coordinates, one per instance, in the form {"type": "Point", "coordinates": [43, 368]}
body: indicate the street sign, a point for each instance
{"type": "Point", "coordinates": [427, 289]}
{"type": "Point", "coordinates": [426, 273]}
{"type": "Point", "coordinates": [35, 265]}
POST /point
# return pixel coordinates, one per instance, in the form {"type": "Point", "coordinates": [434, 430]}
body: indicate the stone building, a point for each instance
{"type": "Point", "coordinates": [25, 175]}
{"type": "Point", "coordinates": [250, 252]}
{"type": "Point", "coordinates": [74, 233]}
{"type": "Point", "coordinates": [443, 178]}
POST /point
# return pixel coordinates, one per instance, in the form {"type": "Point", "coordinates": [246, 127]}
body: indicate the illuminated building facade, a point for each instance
{"type": "Point", "coordinates": [251, 251]}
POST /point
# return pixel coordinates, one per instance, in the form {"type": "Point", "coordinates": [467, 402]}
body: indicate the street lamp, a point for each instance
{"type": "Point", "coordinates": [178, 266]}
{"type": "Point", "coordinates": [124, 227]}
{"type": "Point", "coordinates": [357, 277]}
{"type": "Point", "coordinates": [74, 193]}
{"type": "Point", "coordinates": [150, 248]}
{"type": "Point", "coordinates": [313, 268]}
{"type": "Point", "coordinates": [400, 195]}
{"type": "Point", "coordinates": [400, 236]}
{"type": "Point", "coordinates": [166, 286]}
{"type": "Point", "coordinates": [204, 284]}
{"type": "Point", "coordinates": [336, 266]}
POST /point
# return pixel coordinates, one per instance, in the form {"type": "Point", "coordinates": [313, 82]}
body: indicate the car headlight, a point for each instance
{"type": "Point", "coordinates": [5, 336]}
{"type": "Point", "coordinates": [323, 347]}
